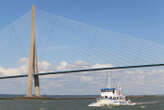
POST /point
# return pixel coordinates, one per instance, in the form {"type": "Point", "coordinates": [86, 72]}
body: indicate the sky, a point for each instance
{"type": "Point", "coordinates": [74, 34]}
{"type": "Point", "coordinates": [141, 18]}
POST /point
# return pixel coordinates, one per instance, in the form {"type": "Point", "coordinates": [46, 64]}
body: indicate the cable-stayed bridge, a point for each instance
{"type": "Point", "coordinates": [33, 73]}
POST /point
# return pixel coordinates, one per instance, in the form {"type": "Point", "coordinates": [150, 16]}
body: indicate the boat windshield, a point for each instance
{"type": "Point", "coordinates": [108, 90]}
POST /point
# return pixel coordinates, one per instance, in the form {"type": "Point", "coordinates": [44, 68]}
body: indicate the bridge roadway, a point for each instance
{"type": "Point", "coordinates": [86, 70]}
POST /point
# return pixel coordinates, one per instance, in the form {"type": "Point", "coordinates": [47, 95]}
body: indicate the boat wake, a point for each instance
{"type": "Point", "coordinates": [146, 103]}
{"type": "Point", "coordinates": [97, 104]}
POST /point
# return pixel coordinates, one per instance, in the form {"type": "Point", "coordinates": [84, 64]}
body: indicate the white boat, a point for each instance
{"type": "Point", "coordinates": [111, 96]}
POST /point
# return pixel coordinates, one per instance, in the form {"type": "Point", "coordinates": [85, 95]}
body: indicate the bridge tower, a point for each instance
{"type": "Point", "coordinates": [33, 64]}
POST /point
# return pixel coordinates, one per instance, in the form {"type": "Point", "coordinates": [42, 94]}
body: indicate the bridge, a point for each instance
{"type": "Point", "coordinates": [33, 74]}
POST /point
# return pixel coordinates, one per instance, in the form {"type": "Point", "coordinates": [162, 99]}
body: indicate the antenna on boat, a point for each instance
{"type": "Point", "coordinates": [107, 79]}
{"type": "Point", "coordinates": [33, 66]}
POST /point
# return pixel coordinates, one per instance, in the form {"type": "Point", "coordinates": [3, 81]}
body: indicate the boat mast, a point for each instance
{"type": "Point", "coordinates": [107, 79]}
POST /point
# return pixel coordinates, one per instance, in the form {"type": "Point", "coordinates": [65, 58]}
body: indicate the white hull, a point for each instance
{"type": "Point", "coordinates": [103, 102]}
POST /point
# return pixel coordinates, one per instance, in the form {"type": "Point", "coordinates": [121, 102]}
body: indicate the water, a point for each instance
{"type": "Point", "coordinates": [143, 103]}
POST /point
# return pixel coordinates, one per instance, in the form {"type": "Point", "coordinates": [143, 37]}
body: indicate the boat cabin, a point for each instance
{"type": "Point", "coordinates": [109, 93]}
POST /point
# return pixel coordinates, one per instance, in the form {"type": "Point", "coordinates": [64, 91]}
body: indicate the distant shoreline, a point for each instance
{"type": "Point", "coordinates": [62, 97]}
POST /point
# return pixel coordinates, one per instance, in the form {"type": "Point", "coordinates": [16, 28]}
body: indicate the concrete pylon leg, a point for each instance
{"type": "Point", "coordinates": [29, 91]}
{"type": "Point", "coordinates": [32, 56]}
{"type": "Point", "coordinates": [37, 87]}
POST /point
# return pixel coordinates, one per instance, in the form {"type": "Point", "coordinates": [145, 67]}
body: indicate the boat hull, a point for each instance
{"type": "Point", "coordinates": [104, 102]}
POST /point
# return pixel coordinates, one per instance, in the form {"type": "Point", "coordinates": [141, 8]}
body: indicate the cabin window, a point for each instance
{"type": "Point", "coordinates": [107, 90]}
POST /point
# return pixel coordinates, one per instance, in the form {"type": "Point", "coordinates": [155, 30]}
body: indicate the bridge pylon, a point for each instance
{"type": "Point", "coordinates": [33, 63]}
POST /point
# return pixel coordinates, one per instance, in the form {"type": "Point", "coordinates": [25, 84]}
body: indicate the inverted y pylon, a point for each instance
{"type": "Point", "coordinates": [33, 66]}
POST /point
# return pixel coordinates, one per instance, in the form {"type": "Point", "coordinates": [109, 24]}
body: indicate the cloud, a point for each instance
{"type": "Point", "coordinates": [22, 69]}
{"type": "Point", "coordinates": [86, 78]}
{"type": "Point", "coordinates": [44, 66]}
{"type": "Point", "coordinates": [101, 65]}
{"type": "Point", "coordinates": [133, 81]}
{"type": "Point", "coordinates": [23, 60]}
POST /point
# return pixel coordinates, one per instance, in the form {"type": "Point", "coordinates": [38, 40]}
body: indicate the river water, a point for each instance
{"type": "Point", "coordinates": [143, 103]}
